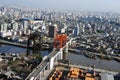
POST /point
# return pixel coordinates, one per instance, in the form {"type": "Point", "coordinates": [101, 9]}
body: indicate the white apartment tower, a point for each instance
{"type": "Point", "coordinates": [15, 26]}
{"type": "Point", "coordinates": [3, 27]}
{"type": "Point", "coordinates": [25, 25]}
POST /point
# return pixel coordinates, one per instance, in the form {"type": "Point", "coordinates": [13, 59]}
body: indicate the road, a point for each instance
{"type": "Point", "coordinates": [86, 67]}
{"type": "Point", "coordinates": [42, 65]}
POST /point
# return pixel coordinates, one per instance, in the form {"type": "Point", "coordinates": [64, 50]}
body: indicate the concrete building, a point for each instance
{"type": "Point", "coordinates": [63, 30]}
{"type": "Point", "coordinates": [15, 26]}
{"type": "Point", "coordinates": [52, 31]}
{"type": "Point", "coordinates": [106, 76]}
{"type": "Point", "coordinates": [43, 29]}
{"type": "Point", "coordinates": [25, 25]}
{"type": "Point", "coordinates": [3, 27]}
{"type": "Point", "coordinates": [4, 34]}
{"type": "Point", "coordinates": [76, 30]}
{"type": "Point", "coordinates": [83, 28]}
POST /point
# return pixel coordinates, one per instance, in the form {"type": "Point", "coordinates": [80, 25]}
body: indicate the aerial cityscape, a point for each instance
{"type": "Point", "coordinates": [59, 40]}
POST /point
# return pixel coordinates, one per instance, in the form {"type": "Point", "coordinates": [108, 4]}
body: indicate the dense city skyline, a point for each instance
{"type": "Point", "coordinates": [86, 5]}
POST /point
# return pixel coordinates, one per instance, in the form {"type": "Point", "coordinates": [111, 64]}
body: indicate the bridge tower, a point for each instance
{"type": "Point", "coordinates": [60, 40]}
{"type": "Point", "coordinates": [34, 39]}
{"type": "Point", "coordinates": [59, 43]}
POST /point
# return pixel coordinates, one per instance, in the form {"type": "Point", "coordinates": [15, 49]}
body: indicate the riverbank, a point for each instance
{"type": "Point", "coordinates": [110, 65]}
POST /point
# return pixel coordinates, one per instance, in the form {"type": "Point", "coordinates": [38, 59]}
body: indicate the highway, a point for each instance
{"type": "Point", "coordinates": [42, 65]}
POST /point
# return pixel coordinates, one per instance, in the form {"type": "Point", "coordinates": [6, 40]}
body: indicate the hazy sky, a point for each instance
{"type": "Point", "coordinates": [90, 5]}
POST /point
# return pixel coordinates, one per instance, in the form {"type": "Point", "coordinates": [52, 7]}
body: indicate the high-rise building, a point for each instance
{"type": "Point", "coordinates": [3, 27]}
{"type": "Point", "coordinates": [76, 30]}
{"type": "Point", "coordinates": [83, 28]}
{"type": "Point", "coordinates": [25, 25]}
{"type": "Point", "coordinates": [52, 31]}
{"type": "Point", "coordinates": [80, 28]}
{"type": "Point", "coordinates": [15, 26]}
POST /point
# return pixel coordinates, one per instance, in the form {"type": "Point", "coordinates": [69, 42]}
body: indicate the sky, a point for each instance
{"type": "Point", "coordinates": [86, 5]}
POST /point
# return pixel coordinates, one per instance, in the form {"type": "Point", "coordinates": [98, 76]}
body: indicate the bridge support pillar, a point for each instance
{"type": "Point", "coordinates": [43, 72]}
{"type": "Point", "coordinates": [48, 67]}
{"type": "Point", "coordinates": [66, 48]}
{"type": "Point", "coordinates": [61, 53]}
{"type": "Point", "coordinates": [65, 52]}
{"type": "Point", "coordinates": [70, 42]}
{"type": "Point", "coordinates": [51, 62]}
{"type": "Point", "coordinates": [64, 55]}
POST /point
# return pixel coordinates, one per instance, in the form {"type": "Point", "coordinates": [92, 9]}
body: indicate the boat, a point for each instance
{"type": "Point", "coordinates": [107, 57]}
{"type": "Point", "coordinates": [100, 56]}
{"type": "Point", "coordinates": [116, 59]}
{"type": "Point", "coordinates": [89, 55]}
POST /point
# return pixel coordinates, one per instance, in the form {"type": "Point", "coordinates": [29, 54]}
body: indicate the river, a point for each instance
{"type": "Point", "coordinates": [73, 58]}
{"type": "Point", "coordinates": [99, 63]}
{"type": "Point", "coordinates": [17, 50]}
